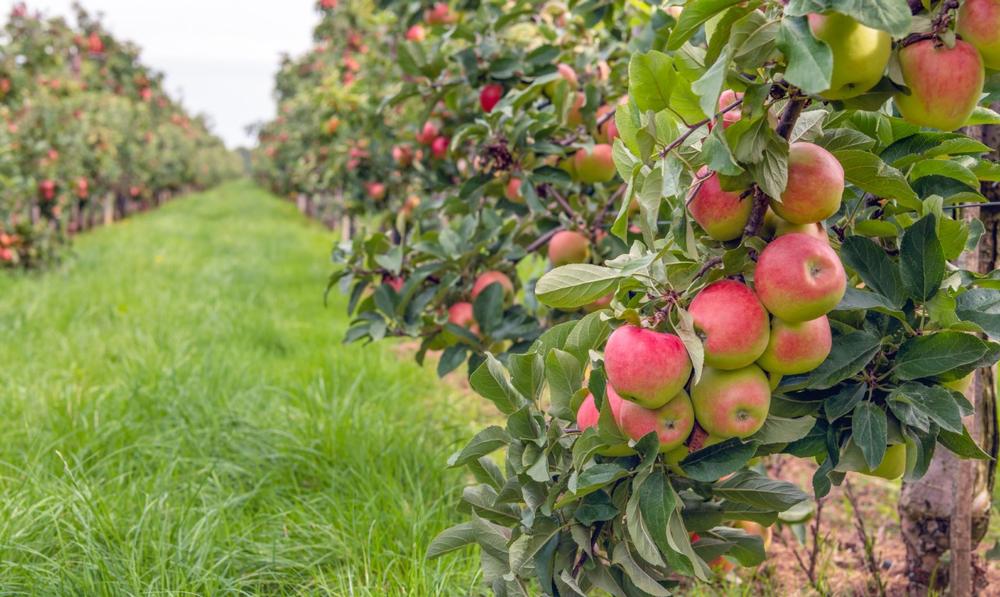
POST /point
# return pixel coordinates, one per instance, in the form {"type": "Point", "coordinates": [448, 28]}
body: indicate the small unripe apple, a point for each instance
{"type": "Point", "coordinates": [979, 24]}
{"type": "Point", "coordinates": [594, 166]}
{"type": "Point", "coordinates": [944, 83]}
{"type": "Point", "coordinates": [733, 323]}
{"type": "Point", "coordinates": [440, 14]}
{"type": "Point", "coordinates": [493, 277]}
{"type": "Point", "coordinates": [815, 185]}
{"type": "Point", "coordinates": [961, 385]}
{"type": "Point", "coordinates": [513, 191]}
{"type": "Point", "coordinates": [588, 416]}
{"type": "Point", "coordinates": [721, 214]}
{"type": "Point", "coordinates": [645, 366]}
{"type": "Point", "coordinates": [489, 96]}
{"type": "Point", "coordinates": [796, 348]}
{"type": "Point", "coordinates": [672, 422]}
{"type": "Point", "coordinates": [568, 246]}
{"type": "Point", "coordinates": [731, 403]}
{"type": "Point", "coordinates": [893, 464]}
{"type": "Point", "coordinates": [860, 53]}
{"type": "Point", "coordinates": [411, 204]}
{"type": "Point", "coordinates": [799, 278]}
{"type": "Point", "coordinates": [461, 314]}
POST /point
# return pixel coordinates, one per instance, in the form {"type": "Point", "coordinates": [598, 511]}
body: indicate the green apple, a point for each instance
{"type": "Point", "coordinates": [860, 53]}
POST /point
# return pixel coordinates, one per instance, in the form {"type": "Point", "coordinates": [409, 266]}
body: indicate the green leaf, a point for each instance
{"type": "Point", "coordinates": [486, 441]}
{"type": "Point", "coordinates": [596, 477]}
{"type": "Point", "coordinates": [934, 401]}
{"type": "Point", "coordinates": [934, 354]}
{"type": "Point", "coordinates": [752, 488]}
{"type": "Point", "coordinates": [491, 382]}
{"type": "Point", "coordinates": [565, 376]}
{"type": "Point", "coordinates": [695, 349]}
{"type": "Point", "coordinates": [872, 263]}
{"type": "Point", "coordinates": [945, 168]}
{"type": "Point", "coordinates": [780, 430]}
{"type": "Point", "coordinates": [962, 444]}
{"type": "Point", "coordinates": [639, 577]}
{"type": "Point", "coordinates": [870, 432]}
{"type": "Point", "coordinates": [982, 115]}
{"type": "Point", "coordinates": [718, 460]}
{"type": "Point", "coordinates": [888, 15]}
{"type": "Point", "coordinates": [452, 539]}
{"type": "Point", "coordinates": [843, 401]}
{"type": "Point", "coordinates": [709, 86]}
{"type": "Point", "coordinates": [921, 259]}
{"type": "Point", "coordinates": [869, 173]}
{"type": "Point", "coordinates": [746, 548]}
{"type": "Point", "coordinates": [693, 17]}
{"type": "Point", "coordinates": [849, 355]}
{"type": "Point", "coordinates": [982, 307]}
{"type": "Point", "coordinates": [650, 80]}
{"type": "Point", "coordinates": [572, 286]}
{"type": "Point", "coordinates": [810, 61]}
{"type": "Point", "coordinates": [525, 547]}
{"type": "Point", "coordinates": [487, 308]}
{"type": "Point", "coordinates": [855, 299]}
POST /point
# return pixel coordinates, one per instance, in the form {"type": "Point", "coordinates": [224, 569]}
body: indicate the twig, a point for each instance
{"type": "Point", "coordinates": [542, 240]}
{"type": "Point", "coordinates": [939, 24]}
{"type": "Point", "coordinates": [576, 134]}
{"type": "Point", "coordinates": [562, 203]}
{"type": "Point", "coordinates": [867, 542]}
{"type": "Point", "coordinates": [692, 128]}
{"type": "Point", "coordinates": [714, 261]}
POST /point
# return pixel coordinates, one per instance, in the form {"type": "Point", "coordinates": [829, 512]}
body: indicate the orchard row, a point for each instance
{"type": "Point", "coordinates": [89, 135]}
{"type": "Point", "coordinates": [667, 240]}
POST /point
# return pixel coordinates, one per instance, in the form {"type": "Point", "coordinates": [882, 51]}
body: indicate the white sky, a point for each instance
{"type": "Point", "coordinates": [220, 56]}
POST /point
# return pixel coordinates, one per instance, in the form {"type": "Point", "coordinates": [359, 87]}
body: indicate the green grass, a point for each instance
{"type": "Point", "coordinates": [180, 417]}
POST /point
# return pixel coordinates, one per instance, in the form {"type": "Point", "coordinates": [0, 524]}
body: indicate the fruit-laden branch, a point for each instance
{"type": "Point", "coordinates": [760, 199]}
{"type": "Point", "coordinates": [938, 25]}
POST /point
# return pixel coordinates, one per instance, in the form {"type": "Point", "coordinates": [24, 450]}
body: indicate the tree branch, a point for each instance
{"type": "Point", "coordinates": [692, 128]}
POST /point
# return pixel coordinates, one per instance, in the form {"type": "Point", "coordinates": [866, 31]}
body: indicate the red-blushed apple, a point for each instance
{"type": "Point", "coordinates": [726, 99]}
{"type": "Point", "coordinates": [331, 125]}
{"type": "Point", "coordinates": [777, 226]}
{"type": "Point", "coordinates": [645, 366]}
{"type": "Point", "coordinates": [860, 53]}
{"type": "Point", "coordinates": [427, 134]}
{"type": "Point", "coordinates": [440, 14]}
{"type": "Point", "coordinates": [375, 190]}
{"type": "Point", "coordinates": [493, 277]}
{"type": "Point", "coordinates": [568, 246]}
{"type": "Point", "coordinates": [439, 147]}
{"type": "Point", "coordinates": [48, 189]}
{"type": "Point", "coordinates": [608, 131]}
{"type": "Point", "coordinates": [799, 278]}
{"type": "Point", "coordinates": [82, 188]}
{"type": "Point", "coordinates": [733, 323]}
{"type": "Point", "coordinates": [672, 422]}
{"type": "Point", "coordinates": [489, 96]}
{"type": "Point", "coordinates": [410, 205]}
{"type": "Point", "coordinates": [402, 155]}
{"type": "Point", "coordinates": [394, 282]}
{"type": "Point", "coordinates": [574, 117]}
{"type": "Point", "coordinates": [893, 464]}
{"type": "Point", "coordinates": [416, 33]}
{"type": "Point", "coordinates": [721, 214]}
{"type": "Point", "coordinates": [731, 403]}
{"type": "Point", "coordinates": [461, 314]}
{"type": "Point", "coordinates": [979, 24]}
{"type": "Point", "coordinates": [815, 185]}
{"type": "Point", "coordinates": [513, 191]}
{"type": "Point", "coordinates": [594, 166]}
{"type": "Point", "coordinates": [588, 416]}
{"type": "Point", "coordinates": [796, 348]}
{"type": "Point", "coordinates": [568, 74]}
{"type": "Point", "coordinates": [944, 83]}
{"type": "Point", "coordinates": [599, 304]}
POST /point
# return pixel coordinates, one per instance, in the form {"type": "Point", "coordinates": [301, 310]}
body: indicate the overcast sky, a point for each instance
{"type": "Point", "coordinates": [220, 56]}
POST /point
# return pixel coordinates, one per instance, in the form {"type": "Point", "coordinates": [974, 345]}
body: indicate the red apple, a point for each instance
{"type": "Point", "coordinates": [777, 226]}
{"type": "Point", "coordinates": [944, 83]}
{"type": "Point", "coordinates": [493, 277]}
{"type": "Point", "coordinates": [416, 33]}
{"type": "Point", "coordinates": [439, 148]}
{"type": "Point", "coordinates": [672, 422]}
{"type": "Point", "coordinates": [796, 348]}
{"type": "Point", "coordinates": [979, 24]}
{"type": "Point", "coordinates": [587, 416]}
{"type": "Point", "coordinates": [331, 125]}
{"type": "Point", "coordinates": [48, 189]}
{"type": "Point", "coordinates": [489, 96]}
{"type": "Point", "coordinates": [799, 278]}
{"type": "Point", "coordinates": [732, 322]}
{"type": "Point", "coordinates": [815, 185]}
{"type": "Point", "coordinates": [461, 314]}
{"type": "Point", "coordinates": [513, 191]}
{"type": "Point", "coordinates": [594, 166]}
{"type": "Point", "coordinates": [726, 99]}
{"type": "Point", "coordinates": [645, 366]}
{"type": "Point", "coordinates": [428, 134]}
{"type": "Point", "coordinates": [721, 214]}
{"type": "Point", "coordinates": [567, 247]}
{"type": "Point", "coordinates": [731, 403]}
{"type": "Point", "coordinates": [394, 282]}
{"type": "Point", "coordinates": [402, 155]}
{"type": "Point", "coordinates": [440, 14]}
{"type": "Point", "coordinates": [375, 190]}
{"type": "Point", "coordinates": [568, 74]}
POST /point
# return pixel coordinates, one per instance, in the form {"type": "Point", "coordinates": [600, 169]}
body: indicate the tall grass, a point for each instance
{"type": "Point", "coordinates": [179, 417]}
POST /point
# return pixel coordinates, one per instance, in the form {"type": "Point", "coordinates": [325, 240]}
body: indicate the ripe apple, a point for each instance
{"type": "Point", "coordinates": [375, 190]}
{"type": "Point", "coordinates": [607, 132]}
{"type": "Point", "coordinates": [588, 416]}
{"type": "Point", "coordinates": [672, 422]}
{"type": "Point", "coordinates": [331, 125]}
{"type": "Point", "coordinates": [461, 314]}
{"type": "Point", "coordinates": [416, 33]}
{"type": "Point", "coordinates": [82, 188]}
{"type": "Point", "coordinates": [489, 96]}
{"type": "Point", "coordinates": [566, 72]}
{"type": "Point", "coordinates": [48, 189]}
{"type": "Point", "coordinates": [796, 347]}
{"type": "Point", "coordinates": [574, 117]}
{"type": "Point", "coordinates": [860, 53]}
{"type": "Point", "coordinates": [568, 246]}
{"type": "Point", "coordinates": [731, 403]}
{"type": "Point", "coordinates": [732, 322]}
{"type": "Point", "coordinates": [815, 185]}
{"type": "Point", "coordinates": [721, 214]}
{"type": "Point", "coordinates": [760, 530]}
{"type": "Point", "coordinates": [979, 24]}
{"type": "Point", "coordinates": [513, 191]}
{"type": "Point", "coordinates": [594, 166]}
{"type": "Point", "coordinates": [493, 277]}
{"type": "Point", "coordinates": [402, 155]}
{"type": "Point", "coordinates": [410, 205]}
{"type": "Point", "coordinates": [893, 464]}
{"type": "Point", "coordinates": [439, 148]}
{"type": "Point", "coordinates": [944, 83]}
{"type": "Point", "coordinates": [95, 44]}
{"type": "Point", "coordinates": [799, 278]}
{"type": "Point", "coordinates": [394, 282]}
{"type": "Point", "coordinates": [727, 97]}
{"type": "Point", "coordinates": [427, 134]}
{"type": "Point", "coordinates": [645, 366]}
{"type": "Point", "coordinates": [440, 14]}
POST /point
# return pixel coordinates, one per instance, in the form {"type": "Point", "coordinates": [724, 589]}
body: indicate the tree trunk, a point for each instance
{"type": "Point", "coordinates": [950, 505]}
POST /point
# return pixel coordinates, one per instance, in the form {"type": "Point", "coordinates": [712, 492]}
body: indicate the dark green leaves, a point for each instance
{"type": "Point", "coordinates": [749, 487]}
{"type": "Point", "coordinates": [872, 263]}
{"type": "Point", "coordinates": [452, 539]}
{"type": "Point", "coordinates": [850, 353]}
{"type": "Point", "coordinates": [982, 307]}
{"type": "Point", "coordinates": [962, 444]}
{"type": "Point", "coordinates": [935, 402]}
{"type": "Point", "coordinates": [869, 173]}
{"type": "Point", "coordinates": [870, 429]}
{"type": "Point", "coordinates": [694, 16]}
{"type": "Point", "coordinates": [927, 356]}
{"type": "Point", "coordinates": [718, 460]}
{"type": "Point", "coordinates": [810, 61]}
{"type": "Point", "coordinates": [888, 15]}
{"type": "Point", "coordinates": [921, 259]}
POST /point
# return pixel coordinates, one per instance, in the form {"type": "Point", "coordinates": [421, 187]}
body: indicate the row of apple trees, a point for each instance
{"type": "Point", "coordinates": [88, 135]}
{"type": "Point", "coordinates": [667, 239]}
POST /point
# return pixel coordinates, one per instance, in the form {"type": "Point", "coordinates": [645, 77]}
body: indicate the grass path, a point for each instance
{"type": "Point", "coordinates": [179, 417]}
